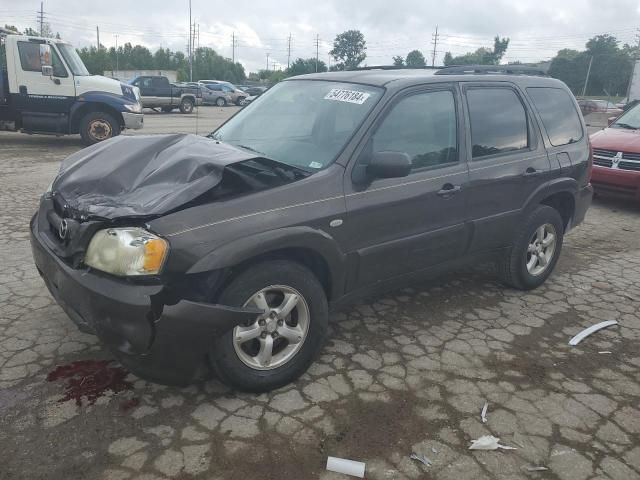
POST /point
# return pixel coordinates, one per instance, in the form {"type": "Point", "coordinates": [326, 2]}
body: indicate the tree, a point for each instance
{"type": "Point", "coordinates": [349, 49]}
{"type": "Point", "coordinates": [415, 59]}
{"type": "Point", "coordinates": [302, 66]}
{"type": "Point", "coordinates": [398, 61]}
{"type": "Point", "coordinates": [482, 56]}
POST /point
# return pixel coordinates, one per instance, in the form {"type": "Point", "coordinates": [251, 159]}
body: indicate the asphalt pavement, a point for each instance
{"type": "Point", "coordinates": [402, 373]}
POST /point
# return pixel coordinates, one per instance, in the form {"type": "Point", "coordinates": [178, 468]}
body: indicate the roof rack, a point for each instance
{"type": "Point", "coordinates": [395, 67]}
{"type": "Point", "coordinates": [491, 70]}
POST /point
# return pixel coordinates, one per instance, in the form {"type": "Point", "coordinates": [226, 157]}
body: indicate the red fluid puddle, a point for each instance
{"type": "Point", "coordinates": [90, 379]}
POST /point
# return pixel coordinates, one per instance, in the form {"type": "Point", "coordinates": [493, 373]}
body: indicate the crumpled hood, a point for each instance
{"type": "Point", "coordinates": [143, 175]}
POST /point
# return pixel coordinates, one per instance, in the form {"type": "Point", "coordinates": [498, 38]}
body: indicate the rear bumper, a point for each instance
{"type": "Point", "coordinates": [616, 182]}
{"type": "Point", "coordinates": [164, 343]}
{"type": "Point", "coordinates": [583, 202]}
{"type": "Point", "coordinates": [134, 121]}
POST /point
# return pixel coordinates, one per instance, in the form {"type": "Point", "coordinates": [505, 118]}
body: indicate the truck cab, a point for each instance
{"type": "Point", "coordinates": [45, 88]}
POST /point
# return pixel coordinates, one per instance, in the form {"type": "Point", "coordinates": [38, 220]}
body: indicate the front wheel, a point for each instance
{"type": "Point", "coordinates": [221, 102]}
{"type": "Point", "coordinates": [535, 250]}
{"type": "Point", "coordinates": [98, 126]}
{"type": "Point", "coordinates": [186, 105]}
{"type": "Point", "coordinates": [279, 344]}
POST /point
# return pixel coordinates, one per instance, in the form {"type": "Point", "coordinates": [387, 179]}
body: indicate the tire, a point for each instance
{"type": "Point", "coordinates": [231, 360]}
{"type": "Point", "coordinates": [518, 268]}
{"type": "Point", "coordinates": [221, 102]}
{"type": "Point", "coordinates": [186, 105]}
{"type": "Point", "coordinates": [98, 126]}
{"type": "Point", "coordinates": [167, 109]}
{"type": "Point", "coordinates": [239, 101]}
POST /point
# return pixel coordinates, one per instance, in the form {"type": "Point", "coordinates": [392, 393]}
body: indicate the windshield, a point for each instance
{"type": "Point", "coordinates": [629, 119]}
{"type": "Point", "coordinates": [73, 59]}
{"type": "Point", "coordinates": [300, 122]}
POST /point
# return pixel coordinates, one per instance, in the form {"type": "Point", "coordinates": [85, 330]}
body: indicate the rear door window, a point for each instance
{"type": "Point", "coordinates": [559, 115]}
{"type": "Point", "coordinates": [498, 121]}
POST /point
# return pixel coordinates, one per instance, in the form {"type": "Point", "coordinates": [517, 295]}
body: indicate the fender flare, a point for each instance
{"type": "Point", "coordinates": [246, 248]}
{"type": "Point", "coordinates": [108, 102]}
{"type": "Point", "coordinates": [557, 185]}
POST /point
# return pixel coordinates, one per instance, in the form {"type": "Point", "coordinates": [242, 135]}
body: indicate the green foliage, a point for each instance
{"type": "Point", "coordinates": [482, 56]}
{"type": "Point", "coordinates": [349, 49]}
{"type": "Point", "coordinates": [302, 66]}
{"type": "Point", "coordinates": [207, 64]}
{"type": "Point", "coordinates": [398, 61]}
{"type": "Point", "coordinates": [415, 59]}
{"type": "Point", "coordinates": [610, 70]}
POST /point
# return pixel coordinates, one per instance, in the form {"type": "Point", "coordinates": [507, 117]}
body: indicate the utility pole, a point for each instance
{"type": "Point", "coordinates": [198, 36]}
{"type": "Point", "coordinates": [98, 36]}
{"type": "Point", "coordinates": [117, 65]}
{"type": "Point", "coordinates": [289, 52]}
{"type": "Point", "coordinates": [435, 45]}
{"type": "Point", "coordinates": [190, 49]}
{"type": "Point", "coordinates": [636, 57]}
{"type": "Point", "coordinates": [41, 17]}
{"type": "Point", "coordinates": [317, 50]}
{"type": "Point", "coordinates": [233, 47]}
{"type": "Point", "coordinates": [268, 62]}
{"type": "Point", "coordinates": [586, 82]}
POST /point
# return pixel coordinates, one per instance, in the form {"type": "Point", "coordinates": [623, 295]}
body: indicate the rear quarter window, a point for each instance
{"type": "Point", "coordinates": [558, 113]}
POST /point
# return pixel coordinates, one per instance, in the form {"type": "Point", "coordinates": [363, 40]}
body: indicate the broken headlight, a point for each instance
{"type": "Point", "coordinates": [126, 251]}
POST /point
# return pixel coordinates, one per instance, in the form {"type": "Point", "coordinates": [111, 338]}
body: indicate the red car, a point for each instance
{"type": "Point", "coordinates": [616, 157]}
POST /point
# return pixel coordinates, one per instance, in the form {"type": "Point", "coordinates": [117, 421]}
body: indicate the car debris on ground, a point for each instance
{"type": "Point", "coordinates": [348, 467]}
{"type": "Point", "coordinates": [588, 331]}
{"type": "Point", "coordinates": [483, 413]}
{"type": "Point", "coordinates": [422, 459]}
{"type": "Point", "coordinates": [531, 468]}
{"type": "Point", "coordinates": [488, 442]}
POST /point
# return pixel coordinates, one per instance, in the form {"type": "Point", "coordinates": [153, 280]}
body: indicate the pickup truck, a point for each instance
{"type": "Point", "coordinates": [45, 88]}
{"type": "Point", "coordinates": [158, 92]}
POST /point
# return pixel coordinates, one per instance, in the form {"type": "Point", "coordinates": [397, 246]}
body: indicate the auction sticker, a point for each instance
{"type": "Point", "coordinates": [349, 96]}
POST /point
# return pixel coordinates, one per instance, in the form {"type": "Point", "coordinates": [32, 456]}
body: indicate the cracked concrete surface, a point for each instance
{"type": "Point", "coordinates": [405, 372]}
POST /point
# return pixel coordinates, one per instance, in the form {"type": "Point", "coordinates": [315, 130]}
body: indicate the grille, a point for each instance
{"type": "Point", "coordinates": [602, 162]}
{"type": "Point", "coordinates": [604, 153]}
{"type": "Point", "coordinates": [605, 158]}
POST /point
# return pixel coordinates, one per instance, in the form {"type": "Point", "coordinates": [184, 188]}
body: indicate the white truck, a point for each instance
{"type": "Point", "coordinates": [45, 88]}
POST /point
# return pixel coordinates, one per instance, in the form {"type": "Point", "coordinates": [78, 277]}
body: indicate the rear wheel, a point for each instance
{"type": "Point", "coordinates": [278, 345]}
{"type": "Point", "coordinates": [98, 126]}
{"type": "Point", "coordinates": [221, 102]}
{"type": "Point", "coordinates": [535, 250]}
{"type": "Point", "coordinates": [186, 105]}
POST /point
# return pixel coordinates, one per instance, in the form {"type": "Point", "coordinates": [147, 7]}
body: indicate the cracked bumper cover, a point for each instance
{"type": "Point", "coordinates": [168, 347]}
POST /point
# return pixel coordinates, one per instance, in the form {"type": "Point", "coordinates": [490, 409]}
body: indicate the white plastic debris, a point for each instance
{"type": "Point", "coordinates": [604, 352]}
{"type": "Point", "coordinates": [588, 331]}
{"type": "Point", "coordinates": [536, 469]}
{"type": "Point", "coordinates": [483, 414]}
{"type": "Point", "coordinates": [421, 458]}
{"type": "Point", "coordinates": [433, 449]}
{"type": "Point", "coordinates": [348, 467]}
{"type": "Point", "coordinates": [488, 442]}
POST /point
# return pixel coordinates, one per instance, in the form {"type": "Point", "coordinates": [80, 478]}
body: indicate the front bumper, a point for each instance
{"type": "Point", "coordinates": [616, 182]}
{"type": "Point", "coordinates": [163, 343]}
{"type": "Point", "coordinates": [135, 121]}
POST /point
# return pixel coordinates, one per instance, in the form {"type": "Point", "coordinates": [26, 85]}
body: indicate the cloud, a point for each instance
{"type": "Point", "coordinates": [537, 28]}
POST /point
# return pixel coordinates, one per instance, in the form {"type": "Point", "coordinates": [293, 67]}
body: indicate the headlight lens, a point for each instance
{"type": "Point", "coordinates": [135, 108]}
{"type": "Point", "coordinates": [126, 252]}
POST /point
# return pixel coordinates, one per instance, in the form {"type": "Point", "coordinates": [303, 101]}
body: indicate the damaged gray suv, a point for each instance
{"type": "Point", "coordinates": [188, 255]}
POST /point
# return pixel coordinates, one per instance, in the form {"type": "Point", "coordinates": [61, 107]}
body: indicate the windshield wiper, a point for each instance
{"type": "Point", "coordinates": [625, 125]}
{"type": "Point", "coordinates": [251, 149]}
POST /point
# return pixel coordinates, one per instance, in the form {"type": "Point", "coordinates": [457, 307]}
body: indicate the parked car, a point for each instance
{"type": "Point", "coordinates": [253, 91]}
{"type": "Point", "coordinates": [230, 249]}
{"type": "Point", "coordinates": [598, 106]}
{"type": "Point", "coordinates": [616, 157]}
{"type": "Point", "coordinates": [235, 93]}
{"type": "Point", "coordinates": [217, 94]}
{"type": "Point", "coordinates": [157, 92]}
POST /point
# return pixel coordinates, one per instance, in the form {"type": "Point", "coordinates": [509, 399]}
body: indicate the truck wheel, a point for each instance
{"type": "Point", "coordinates": [221, 102]}
{"type": "Point", "coordinates": [280, 344]}
{"type": "Point", "coordinates": [186, 105]}
{"type": "Point", "coordinates": [535, 250]}
{"type": "Point", "coordinates": [98, 126]}
{"type": "Point", "coordinates": [167, 109]}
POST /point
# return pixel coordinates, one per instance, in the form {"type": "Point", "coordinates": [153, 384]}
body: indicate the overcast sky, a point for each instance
{"type": "Point", "coordinates": [537, 28]}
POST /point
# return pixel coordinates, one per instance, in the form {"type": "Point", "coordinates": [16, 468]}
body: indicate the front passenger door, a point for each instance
{"type": "Point", "coordinates": [401, 225]}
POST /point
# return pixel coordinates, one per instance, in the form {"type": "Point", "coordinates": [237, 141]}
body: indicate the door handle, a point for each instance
{"type": "Point", "coordinates": [532, 172]}
{"type": "Point", "coordinates": [448, 190]}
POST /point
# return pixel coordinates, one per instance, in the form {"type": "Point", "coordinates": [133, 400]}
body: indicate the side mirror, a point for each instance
{"type": "Point", "coordinates": [389, 165]}
{"type": "Point", "coordinates": [47, 71]}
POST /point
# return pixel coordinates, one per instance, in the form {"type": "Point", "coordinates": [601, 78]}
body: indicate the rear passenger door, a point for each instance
{"type": "Point", "coordinates": [400, 225]}
{"type": "Point", "coordinates": [161, 88]}
{"type": "Point", "coordinates": [508, 160]}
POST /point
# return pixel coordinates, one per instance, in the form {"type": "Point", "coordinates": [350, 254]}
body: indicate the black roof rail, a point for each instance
{"type": "Point", "coordinates": [491, 70]}
{"type": "Point", "coordinates": [394, 67]}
